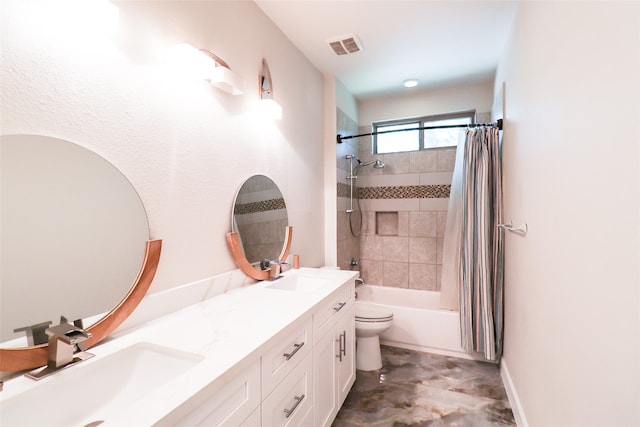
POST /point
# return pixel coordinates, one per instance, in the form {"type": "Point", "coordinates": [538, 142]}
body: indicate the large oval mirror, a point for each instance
{"type": "Point", "coordinates": [260, 218]}
{"type": "Point", "coordinates": [74, 233]}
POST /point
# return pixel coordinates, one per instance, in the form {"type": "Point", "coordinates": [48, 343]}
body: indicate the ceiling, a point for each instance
{"type": "Point", "coordinates": [437, 42]}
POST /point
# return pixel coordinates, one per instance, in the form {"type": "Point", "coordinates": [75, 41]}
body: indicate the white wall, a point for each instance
{"type": "Point", "coordinates": [571, 162]}
{"type": "Point", "coordinates": [346, 102]}
{"type": "Point", "coordinates": [184, 145]}
{"type": "Point", "coordinates": [330, 183]}
{"type": "Point", "coordinates": [460, 97]}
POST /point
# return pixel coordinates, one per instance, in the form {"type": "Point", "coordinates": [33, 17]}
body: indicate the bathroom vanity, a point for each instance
{"type": "Point", "coordinates": [277, 353]}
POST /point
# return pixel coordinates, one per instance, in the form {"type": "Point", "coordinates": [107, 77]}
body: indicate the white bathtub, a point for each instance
{"type": "Point", "coordinates": [418, 322]}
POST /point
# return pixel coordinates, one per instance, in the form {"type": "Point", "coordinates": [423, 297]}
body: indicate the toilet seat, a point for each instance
{"type": "Point", "coordinates": [373, 319]}
{"type": "Point", "coordinates": [369, 313]}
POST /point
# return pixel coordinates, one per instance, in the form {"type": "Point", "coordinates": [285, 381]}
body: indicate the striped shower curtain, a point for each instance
{"type": "Point", "coordinates": [481, 276]}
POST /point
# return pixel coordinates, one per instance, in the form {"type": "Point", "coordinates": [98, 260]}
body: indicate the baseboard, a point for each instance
{"type": "Point", "coordinates": [512, 394]}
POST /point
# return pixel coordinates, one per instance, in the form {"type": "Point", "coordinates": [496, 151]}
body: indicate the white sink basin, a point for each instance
{"type": "Point", "coordinates": [88, 393]}
{"type": "Point", "coordinates": [300, 283]}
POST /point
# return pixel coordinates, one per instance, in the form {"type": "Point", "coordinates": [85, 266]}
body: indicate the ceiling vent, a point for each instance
{"type": "Point", "coordinates": [345, 44]}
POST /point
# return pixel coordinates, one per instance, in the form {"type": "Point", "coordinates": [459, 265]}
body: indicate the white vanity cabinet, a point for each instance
{"type": "Point", "coordinates": [298, 377]}
{"type": "Point", "coordinates": [334, 355]}
{"type": "Point", "coordinates": [313, 391]}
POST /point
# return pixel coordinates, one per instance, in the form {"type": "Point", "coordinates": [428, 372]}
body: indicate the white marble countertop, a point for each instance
{"type": "Point", "coordinates": [229, 331]}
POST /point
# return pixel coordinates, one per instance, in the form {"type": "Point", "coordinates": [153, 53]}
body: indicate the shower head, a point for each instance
{"type": "Point", "coordinates": [378, 164]}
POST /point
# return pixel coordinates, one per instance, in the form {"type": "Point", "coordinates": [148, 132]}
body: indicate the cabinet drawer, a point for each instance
{"type": "Point", "coordinates": [285, 354]}
{"type": "Point", "coordinates": [290, 402]}
{"type": "Point", "coordinates": [221, 404]}
{"type": "Point", "coordinates": [254, 420]}
{"type": "Point", "coordinates": [337, 303]}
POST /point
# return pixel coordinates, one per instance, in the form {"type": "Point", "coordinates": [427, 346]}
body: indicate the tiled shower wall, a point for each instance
{"type": "Point", "coordinates": [404, 209]}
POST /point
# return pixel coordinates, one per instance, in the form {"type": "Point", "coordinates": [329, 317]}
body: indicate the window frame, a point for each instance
{"type": "Point", "coordinates": [422, 121]}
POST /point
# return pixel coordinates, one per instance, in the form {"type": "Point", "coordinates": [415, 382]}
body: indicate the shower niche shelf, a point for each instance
{"type": "Point", "coordinates": [387, 223]}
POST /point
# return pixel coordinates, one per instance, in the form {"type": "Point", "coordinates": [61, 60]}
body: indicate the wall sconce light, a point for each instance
{"type": "Point", "coordinates": [205, 65]}
{"type": "Point", "coordinates": [268, 106]}
{"type": "Point", "coordinates": [222, 77]}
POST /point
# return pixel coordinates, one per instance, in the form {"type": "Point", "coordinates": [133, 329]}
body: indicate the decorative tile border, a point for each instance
{"type": "Point", "coordinates": [399, 192]}
{"type": "Point", "coordinates": [406, 192]}
{"type": "Point", "coordinates": [344, 190]}
{"type": "Point", "coordinates": [260, 206]}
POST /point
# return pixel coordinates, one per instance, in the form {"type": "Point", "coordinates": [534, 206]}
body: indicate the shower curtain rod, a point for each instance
{"type": "Point", "coordinates": [497, 124]}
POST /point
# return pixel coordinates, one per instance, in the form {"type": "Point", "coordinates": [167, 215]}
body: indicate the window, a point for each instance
{"type": "Point", "coordinates": [414, 140]}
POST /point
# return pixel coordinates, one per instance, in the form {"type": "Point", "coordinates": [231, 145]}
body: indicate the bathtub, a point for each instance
{"type": "Point", "coordinates": [418, 322]}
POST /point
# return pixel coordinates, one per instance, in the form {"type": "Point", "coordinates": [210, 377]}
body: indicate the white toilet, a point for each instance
{"type": "Point", "coordinates": [371, 321]}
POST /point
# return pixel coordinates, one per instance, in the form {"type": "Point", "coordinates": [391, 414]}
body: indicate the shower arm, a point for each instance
{"type": "Point", "coordinates": [370, 162]}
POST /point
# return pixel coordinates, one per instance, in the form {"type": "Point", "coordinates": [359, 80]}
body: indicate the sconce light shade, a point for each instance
{"type": "Point", "coordinates": [226, 80]}
{"type": "Point", "coordinates": [268, 107]}
{"type": "Point", "coordinates": [202, 64]}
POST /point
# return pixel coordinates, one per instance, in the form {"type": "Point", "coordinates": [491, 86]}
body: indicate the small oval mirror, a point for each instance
{"type": "Point", "coordinates": [260, 218]}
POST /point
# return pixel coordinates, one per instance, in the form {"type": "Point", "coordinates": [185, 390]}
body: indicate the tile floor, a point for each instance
{"type": "Point", "coordinates": [415, 389]}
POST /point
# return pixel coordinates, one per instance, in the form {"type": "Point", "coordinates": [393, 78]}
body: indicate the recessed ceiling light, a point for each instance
{"type": "Point", "coordinates": [410, 83]}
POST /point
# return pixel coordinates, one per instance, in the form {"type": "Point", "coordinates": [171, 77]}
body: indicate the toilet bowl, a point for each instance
{"type": "Point", "coordinates": [371, 321]}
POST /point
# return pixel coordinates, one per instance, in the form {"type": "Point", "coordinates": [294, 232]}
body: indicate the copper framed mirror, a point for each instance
{"type": "Point", "coordinates": [259, 226]}
{"type": "Point", "coordinates": [75, 243]}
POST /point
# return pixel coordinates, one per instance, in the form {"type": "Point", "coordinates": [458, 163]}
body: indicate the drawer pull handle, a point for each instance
{"type": "Point", "coordinates": [342, 345]}
{"type": "Point", "coordinates": [289, 412]}
{"type": "Point", "coordinates": [339, 306]}
{"type": "Point", "coordinates": [296, 347]}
